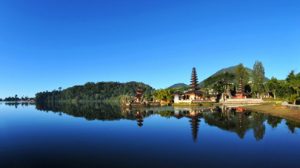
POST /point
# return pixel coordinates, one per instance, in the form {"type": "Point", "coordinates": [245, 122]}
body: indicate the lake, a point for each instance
{"type": "Point", "coordinates": [102, 135]}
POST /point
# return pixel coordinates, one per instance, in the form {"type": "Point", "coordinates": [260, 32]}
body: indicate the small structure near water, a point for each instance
{"type": "Point", "coordinates": [188, 96]}
{"type": "Point", "coordinates": [138, 100]}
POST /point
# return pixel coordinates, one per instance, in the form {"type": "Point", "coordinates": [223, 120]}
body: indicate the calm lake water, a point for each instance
{"type": "Point", "coordinates": [99, 135]}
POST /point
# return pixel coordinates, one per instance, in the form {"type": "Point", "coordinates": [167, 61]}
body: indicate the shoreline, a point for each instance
{"type": "Point", "coordinates": [277, 110]}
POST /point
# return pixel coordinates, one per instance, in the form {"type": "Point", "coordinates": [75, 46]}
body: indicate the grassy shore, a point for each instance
{"type": "Point", "coordinates": [277, 110]}
{"type": "Point", "coordinates": [205, 104]}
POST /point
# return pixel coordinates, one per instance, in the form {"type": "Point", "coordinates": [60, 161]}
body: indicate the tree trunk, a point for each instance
{"type": "Point", "coordinates": [295, 102]}
{"type": "Point", "coordinates": [274, 94]}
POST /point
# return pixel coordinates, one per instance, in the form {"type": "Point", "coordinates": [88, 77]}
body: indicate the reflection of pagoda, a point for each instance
{"type": "Point", "coordinates": [139, 119]}
{"type": "Point", "coordinates": [195, 122]}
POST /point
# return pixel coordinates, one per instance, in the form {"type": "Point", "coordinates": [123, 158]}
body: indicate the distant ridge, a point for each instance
{"type": "Point", "coordinates": [232, 70]}
{"type": "Point", "coordinates": [178, 85]}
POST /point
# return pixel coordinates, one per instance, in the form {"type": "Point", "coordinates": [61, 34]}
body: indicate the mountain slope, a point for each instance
{"type": "Point", "coordinates": [178, 85]}
{"type": "Point", "coordinates": [228, 74]}
{"type": "Point", "coordinates": [231, 70]}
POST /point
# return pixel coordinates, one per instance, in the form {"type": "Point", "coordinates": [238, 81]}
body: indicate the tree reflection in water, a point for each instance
{"type": "Point", "coordinates": [235, 120]}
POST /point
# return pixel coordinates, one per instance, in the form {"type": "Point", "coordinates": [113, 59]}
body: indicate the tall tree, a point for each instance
{"type": "Point", "coordinates": [194, 80]}
{"type": "Point", "coordinates": [258, 78]}
{"type": "Point", "coordinates": [291, 76]}
{"type": "Point", "coordinates": [273, 85]}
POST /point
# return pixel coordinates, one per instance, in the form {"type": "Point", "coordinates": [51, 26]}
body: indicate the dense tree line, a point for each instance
{"type": "Point", "coordinates": [102, 91]}
{"type": "Point", "coordinates": [16, 99]}
{"type": "Point", "coordinates": [256, 85]}
{"type": "Point", "coordinates": [288, 89]}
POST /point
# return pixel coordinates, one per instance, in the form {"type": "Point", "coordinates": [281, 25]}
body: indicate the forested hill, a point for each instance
{"type": "Point", "coordinates": [230, 70]}
{"type": "Point", "coordinates": [102, 91]}
{"type": "Point", "coordinates": [178, 85]}
{"type": "Point", "coordinates": [228, 74]}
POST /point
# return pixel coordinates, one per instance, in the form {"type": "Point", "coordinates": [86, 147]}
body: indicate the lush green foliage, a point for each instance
{"type": "Point", "coordinates": [259, 86]}
{"type": "Point", "coordinates": [102, 91]}
{"type": "Point", "coordinates": [293, 81]}
{"type": "Point", "coordinates": [164, 94]}
{"type": "Point", "coordinates": [286, 89]}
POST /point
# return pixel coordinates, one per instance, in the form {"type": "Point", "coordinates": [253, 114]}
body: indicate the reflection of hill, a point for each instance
{"type": "Point", "coordinates": [90, 111]}
{"type": "Point", "coordinates": [17, 104]}
{"type": "Point", "coordinates": [236, 122]}
{"type": "Point", "coordinates": [227, 119]}
{"type": "Point", "coordinates": [98, 111]}
{"type": "Point", "coordinates": [231, 123]}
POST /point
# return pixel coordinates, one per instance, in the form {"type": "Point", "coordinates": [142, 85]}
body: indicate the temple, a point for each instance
{"type": "Point", "coordinates": [193, 95]}
{"type": "Point", "coordinates": [139, 95]}
{"type": "Point", "coordinates": [240, 98]}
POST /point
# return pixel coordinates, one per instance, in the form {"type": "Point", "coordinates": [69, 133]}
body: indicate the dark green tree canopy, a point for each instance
{"type": "Point", "coordinates": [101, 91]}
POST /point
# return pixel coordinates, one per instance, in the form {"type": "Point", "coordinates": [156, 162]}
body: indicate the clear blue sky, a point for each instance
{"type": "Point", "coordinates": [45, 44]}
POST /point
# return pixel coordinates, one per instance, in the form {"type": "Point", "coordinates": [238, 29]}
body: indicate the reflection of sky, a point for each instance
{"type": "Point", "coordinates": [36, 137]}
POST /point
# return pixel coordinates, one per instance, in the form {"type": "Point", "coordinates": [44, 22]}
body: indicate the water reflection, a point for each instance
{"type": "Point", "coordinates": [139, 118]}
{"type": "Point", "coordinates": [236, 120]}
{"type": "Point", "coordinates": [18, 104]}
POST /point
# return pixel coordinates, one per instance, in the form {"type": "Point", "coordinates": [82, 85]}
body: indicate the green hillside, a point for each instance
{"type": "Point", "coordinates": [178, 85]}
{"type": "Point", "coordinates": [102, 91]}
{"type": "Point", "coordinates": [228, 74]}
